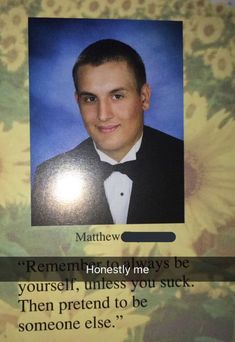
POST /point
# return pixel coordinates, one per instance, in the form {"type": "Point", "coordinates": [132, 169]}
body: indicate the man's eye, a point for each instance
{"type": "Point", "coordinates": [89, 99]}
{"type": "Point", "coordinates": [118, 96]}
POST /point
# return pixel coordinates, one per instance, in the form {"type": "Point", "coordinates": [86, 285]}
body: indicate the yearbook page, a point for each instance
{"type": "Point", "coordinates": [117, 170]}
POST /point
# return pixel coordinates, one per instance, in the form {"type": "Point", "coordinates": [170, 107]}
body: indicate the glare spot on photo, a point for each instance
{"type": "Point", "coordinates": [68, 187]}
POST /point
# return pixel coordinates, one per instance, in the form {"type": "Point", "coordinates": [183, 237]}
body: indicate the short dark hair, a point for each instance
{"type": "Point", "coordinates": [108, 50]}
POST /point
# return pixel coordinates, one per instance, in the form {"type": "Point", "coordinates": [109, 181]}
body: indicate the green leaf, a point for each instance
{"type": "Point", "coordinates": [13, 104]}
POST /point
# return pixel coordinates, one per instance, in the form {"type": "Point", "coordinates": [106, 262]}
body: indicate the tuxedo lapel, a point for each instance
{"type": "Point", "coordinates": [147, 194]}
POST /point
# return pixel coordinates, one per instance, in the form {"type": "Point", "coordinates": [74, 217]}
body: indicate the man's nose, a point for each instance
{"type": "Point", "coordinates": [104, 110]}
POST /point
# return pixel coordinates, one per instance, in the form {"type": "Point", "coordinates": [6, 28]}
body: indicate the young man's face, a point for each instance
{"type": "Point", "coordinates": [111, 106]}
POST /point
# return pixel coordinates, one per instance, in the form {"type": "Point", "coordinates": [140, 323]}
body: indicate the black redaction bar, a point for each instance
{"type": "Point", "coordinates": [148, 236]}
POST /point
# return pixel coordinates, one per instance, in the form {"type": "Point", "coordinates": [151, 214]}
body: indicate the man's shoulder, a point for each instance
{"type": "Point", "coordinates": [77, 155]}
{"type": "Point", "coordinates": [161, 148]}
{"type": "Point", "coordinates": [158, 138]}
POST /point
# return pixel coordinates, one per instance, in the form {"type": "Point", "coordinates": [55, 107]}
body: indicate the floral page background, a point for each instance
{"type": "Point", "coordinates": [203, 313]}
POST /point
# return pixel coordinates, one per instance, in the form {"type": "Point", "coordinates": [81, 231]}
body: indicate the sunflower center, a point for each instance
{"type": "Point", "coordinates": [193, 175]}
{"type": "Point", "coordinates": [176, 6]}
{"type": "Point", "coordinates": [152, 8]}
{"type": "Point", "coordinates": [12, 55]}
{"type": "Point", "coordinates": [94, 6]}
{"type": "Point", "coordinates": [200, 3]}
{"type": "Point", "coordinates": [50, 3]}
{"type": "Point", "coordinates": [209, 30]}
{"type": "Point", "coordinates": [219, 9]}
{"type": "Point", "coordinates": [190, 6]}
{"type": "Point", "coordinates": [126, 5]}
{"type": "Point", "coordinates": [16, 19]}
{"type": "Point", "coordinates": [7, 42]}
{"type": "Point", "coordinates": [221, 64]}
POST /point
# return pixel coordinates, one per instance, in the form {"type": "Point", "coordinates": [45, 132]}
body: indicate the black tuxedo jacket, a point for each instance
{"type": "Point", "coordinates": [157, 192]}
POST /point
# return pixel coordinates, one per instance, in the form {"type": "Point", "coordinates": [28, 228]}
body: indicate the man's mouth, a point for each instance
{"type": "Point", "coordinates": [108, 128]}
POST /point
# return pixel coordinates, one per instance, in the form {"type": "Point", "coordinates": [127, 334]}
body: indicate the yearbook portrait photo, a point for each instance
{"type": "Point", "coordinates": [106, 121]}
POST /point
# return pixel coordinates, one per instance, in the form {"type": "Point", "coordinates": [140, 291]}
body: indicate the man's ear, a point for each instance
{"type": "Point", "coordinates": [145, 95]}
{"type": "Point", "coordinates": [76, 96]}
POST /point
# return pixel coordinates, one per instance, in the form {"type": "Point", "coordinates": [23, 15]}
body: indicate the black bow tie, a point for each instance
{"type": "Point", "coordinates": [127, 168]}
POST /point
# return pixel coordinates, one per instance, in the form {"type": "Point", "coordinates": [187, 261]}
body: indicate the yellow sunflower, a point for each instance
{"type": "Point", "coordinates": [17, 18]}
{"type": "Point", "coordinates": [27, 3]}
{"type": "Point", "coordinates": [92, 8]}
{"type": "Point", "coordinates": [154, 8]}
{"type": "Point", "coordinates": [220, 9]}
{"type": "Point", "coordinates": [14, 164]}
{"type": "Point", "coordinates": [10, 39]}
{"type": "Point", "coordinates": [175, 6]}
{"type": "Point", "coordinates": [209, 29]}
{"type": "Point", "coordinates": [7, 25]}
{"type": "Point", "coordinates": [203, 6]}
{"type": "Point", "coordinates": [209, 171]}
{"type": "Point", "coordinates": [208, 56]}
{"type": "Point", "coordinates": [194, 104]}
{"type": "Point", "coordinates": [122, 8]}
{"type": "Point", "coordinates": [189, 36]}
{"type": "Point", "coordinates": [72, 10]}
{"type": "Point", "coordinates": [222, 64]}
{"type": "Point", "coordinates": [189, 8]}
{"type": "Point", "coordinates": [127, 7]}
{"type": "Point", "coordinates": [14, 57]}
{"type": "Point", "coordinates": [55, 8]}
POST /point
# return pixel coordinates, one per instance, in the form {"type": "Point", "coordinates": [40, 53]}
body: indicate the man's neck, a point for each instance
{"type": "Point", "coordinates": [130, 155]}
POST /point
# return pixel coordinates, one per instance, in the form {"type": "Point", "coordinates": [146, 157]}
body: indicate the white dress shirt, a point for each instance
{"type": "Point", "coordinates": [118, 186]}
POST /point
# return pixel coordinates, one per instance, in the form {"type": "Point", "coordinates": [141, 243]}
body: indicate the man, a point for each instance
{"type": "Point", "coordinates": [125, 172]}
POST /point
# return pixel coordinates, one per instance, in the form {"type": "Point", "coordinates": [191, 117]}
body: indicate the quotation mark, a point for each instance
{"type": "Point", "coordinates": [21, 263]}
